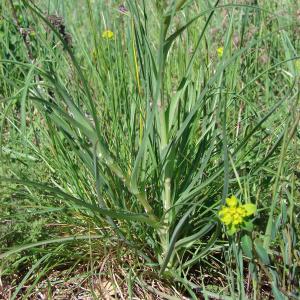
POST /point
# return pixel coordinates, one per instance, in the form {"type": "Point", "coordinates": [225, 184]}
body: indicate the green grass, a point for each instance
{"type": "Point", "coordinates": [120, 152]}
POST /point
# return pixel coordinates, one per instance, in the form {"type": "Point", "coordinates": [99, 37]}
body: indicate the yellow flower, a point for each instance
{"type": "Point", "coordinates": [107, 34]}
{"type": "Point", "coordinates": [220, 51]}
{"type": "Point", "coordinates": [232, 201]}
{"type": "Point", "coordinates": [233, 213]}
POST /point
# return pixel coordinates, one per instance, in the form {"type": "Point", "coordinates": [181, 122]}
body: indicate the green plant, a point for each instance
{"type": "Point", "coordinates": [147, 133]}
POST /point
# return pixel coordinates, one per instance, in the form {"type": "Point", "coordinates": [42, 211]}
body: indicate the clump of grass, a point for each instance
{"type": "Point", "coordinates": [145, 126]}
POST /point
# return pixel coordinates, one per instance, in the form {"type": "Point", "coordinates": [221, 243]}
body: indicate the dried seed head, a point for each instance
{"type": "Point", "coordinates": [264, 57]}
{"type": "Point", "coordinates": [251, 32]}
{"type": "Point", "coordinates": [68, 39]}
{"type": "Point", "coordinates": [58, 23]}
{"type": "Point", "coordinates": [122, 9]}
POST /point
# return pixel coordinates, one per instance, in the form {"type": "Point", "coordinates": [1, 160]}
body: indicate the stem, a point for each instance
{"type": "Point", "coordinates": [137, 76]}
{"type": "Point", "coordinates": [163, 132]}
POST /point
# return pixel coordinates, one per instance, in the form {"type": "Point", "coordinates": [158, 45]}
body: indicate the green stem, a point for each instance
{"type": "Point", "coordinates": [163, 131]}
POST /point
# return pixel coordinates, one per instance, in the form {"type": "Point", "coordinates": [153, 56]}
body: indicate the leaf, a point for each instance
{"type": "Point", "coordinates": [208, 246]}
{"type": "Point", "coordinates": [261, 252]}
{"type": "Point", "coordinates": [250, 208]}
{"type": "Point", "coordinates": [47, 242]}
{"type": "Point", "coordinates": [174, 237]}
{"type": "Point", "coordinates": [231, 231]}
{"type": "Point", "coordinates": [118, 214]}
{"type": "Point", "coordinates": [246, 244]}
{"type": "Point", "coordinates": [188, 241]}
{"type": "Point", "coordinates": [29, 273]}
{"type": "Point", "coordinates": [248, 226]}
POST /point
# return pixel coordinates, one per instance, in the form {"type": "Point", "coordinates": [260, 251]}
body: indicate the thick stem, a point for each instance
{"type": "Point", "coordinates": [164, 138]}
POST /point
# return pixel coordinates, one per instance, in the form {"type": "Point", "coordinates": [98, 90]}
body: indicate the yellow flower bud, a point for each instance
{"type": "Point", "coordinates": [107, 34]}
{"type": "Point", "coordinates": [220, 51]}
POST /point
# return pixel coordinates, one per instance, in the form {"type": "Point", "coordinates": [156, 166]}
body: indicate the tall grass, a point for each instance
{"type": "Point", "coordinates": [139, 139]}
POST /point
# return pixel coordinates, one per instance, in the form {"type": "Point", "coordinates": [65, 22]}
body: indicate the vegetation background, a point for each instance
{"type": "Point", "coordinates": [125, 126]}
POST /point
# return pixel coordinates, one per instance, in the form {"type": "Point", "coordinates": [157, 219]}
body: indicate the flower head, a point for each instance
{"type": "Point", "coordinates": [220, 51]}
{"type": "Point", "coordinates": [107, 34]}
{"type": "Point", "coordinates": [234, 214]}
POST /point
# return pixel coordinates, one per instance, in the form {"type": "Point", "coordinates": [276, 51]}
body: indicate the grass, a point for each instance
{"type": "Point", "coordinates": [117, 153]}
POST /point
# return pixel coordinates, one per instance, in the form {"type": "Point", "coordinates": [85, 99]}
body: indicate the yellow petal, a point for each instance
{"type": "Point", "coordinates": [250, 208]}
{"type": "Point", "coordinates": [232, 201]}
{"type": "Point", "coordinates": [241, 211]}
{"type": "Point", "coordinates": [232, 210]}
{"type": "Point", "coordinates": [237, 219]}
{"type": "Point", "coordinates": [223, 210]}
{"type": "Point", "coordinates": [226, 219]}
